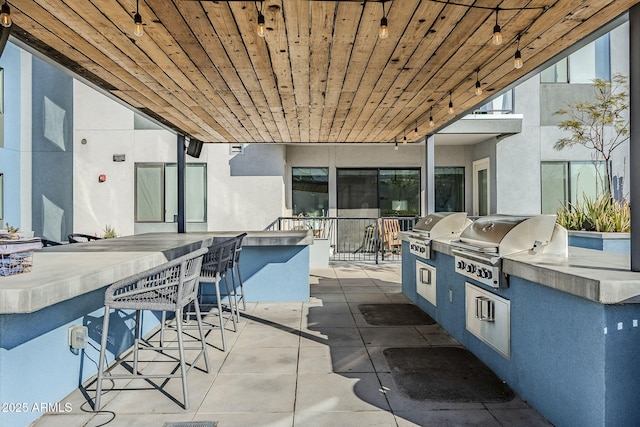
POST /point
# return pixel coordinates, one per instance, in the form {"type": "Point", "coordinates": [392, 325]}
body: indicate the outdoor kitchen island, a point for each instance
{"type": "Point", "coordinates": [66, 287]}
{"type": "Point", "coordinates": [562, 331]}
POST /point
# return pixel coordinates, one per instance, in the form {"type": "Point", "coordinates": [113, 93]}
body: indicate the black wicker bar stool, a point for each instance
{"type": "Point", "coordinates": [169, 287]}
{"type": "Point", "coordinates": [234, 266]}
{"type": "Point", "coordinates": [214, 270]}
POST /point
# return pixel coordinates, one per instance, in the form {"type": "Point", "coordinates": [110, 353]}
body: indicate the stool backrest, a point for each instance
{"type": "Point", "coordinates": [216, 260]}
{"type": "Point", "coordinates": [163, 288]}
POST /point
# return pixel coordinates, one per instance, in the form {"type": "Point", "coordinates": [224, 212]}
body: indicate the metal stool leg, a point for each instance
{"type": "Point", "coordinates": [101, 360]}
{"type": "Point", "coordinates": [183, 365]}
{"type": "Point", "coordinates": [202, 336]}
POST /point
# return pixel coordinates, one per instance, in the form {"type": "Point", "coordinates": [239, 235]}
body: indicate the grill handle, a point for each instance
{"type": "Point", "coordinates": [485, 309]}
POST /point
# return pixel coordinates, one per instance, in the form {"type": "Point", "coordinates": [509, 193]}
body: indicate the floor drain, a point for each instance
{"type": "Point", "coordinates": [191, 424]}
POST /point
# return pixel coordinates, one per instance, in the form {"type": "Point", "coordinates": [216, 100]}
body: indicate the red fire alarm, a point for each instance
{"type": "Point", "coordinates": [102, 177]}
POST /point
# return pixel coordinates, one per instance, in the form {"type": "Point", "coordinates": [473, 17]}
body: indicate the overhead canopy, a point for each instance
{"type": "Point", "coordinates": [321, 74]}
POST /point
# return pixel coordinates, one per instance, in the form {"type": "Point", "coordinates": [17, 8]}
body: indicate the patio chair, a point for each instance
{"type": "Point", "coordinates": [389, 229]}
{"type": "Point", "coordinates": [81, 238]}
{"type": "Point", "coordinates": [169, 287]}
{"type": "Point", "coordinates": [46, 243]}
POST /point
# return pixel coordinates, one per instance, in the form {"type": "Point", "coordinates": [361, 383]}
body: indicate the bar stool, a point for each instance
{"type": "Point", "coordinates": [234, 267]}
{"type": "Point", "coordinates": [214, 269]}
{"type": "Point", "coordinates": [169, 287]}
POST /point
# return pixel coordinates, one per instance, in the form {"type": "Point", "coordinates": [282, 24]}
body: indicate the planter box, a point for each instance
{"type": "Point", "coordinates": [608, 242]}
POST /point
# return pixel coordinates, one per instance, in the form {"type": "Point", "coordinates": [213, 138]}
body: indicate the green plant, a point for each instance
{"type": "Point", "coordinates": [601, 124]}
{"type": "Point", "coordinates": [600, 214]}
{"type": "Point", "coordinates": [11, 229]}
{"type": "Point", "coordinates": [109, 232]}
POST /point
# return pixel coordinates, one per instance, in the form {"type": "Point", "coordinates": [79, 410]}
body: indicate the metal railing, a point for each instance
{"type": "Point", "coordinates": [353, 239]}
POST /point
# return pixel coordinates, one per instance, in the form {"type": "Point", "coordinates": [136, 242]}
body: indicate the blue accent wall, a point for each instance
{"type": "Point", "coordinates": [621, 246]}
{"type": "Point", "coordinates": [52, 178]}
{"type": "Point", "coordinates": [10, 153]}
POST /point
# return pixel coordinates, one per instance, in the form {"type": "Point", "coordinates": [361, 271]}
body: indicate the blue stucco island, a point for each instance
{"type": "Point", "coordinates": [573, 350]}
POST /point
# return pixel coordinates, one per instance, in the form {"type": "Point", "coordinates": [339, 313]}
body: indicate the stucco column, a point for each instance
{"type": "Point", "coordinates": [429, 185]}
{"type": "Point", "coordinates": [181, 183]}
{"type": "Point", "coordinates": [634, 116]}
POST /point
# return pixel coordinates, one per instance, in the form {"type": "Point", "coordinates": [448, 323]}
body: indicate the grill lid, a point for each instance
{"type": "Point", "coordinates": [441, 224]}
{"type": "Point", "coordinates": [508, 234]}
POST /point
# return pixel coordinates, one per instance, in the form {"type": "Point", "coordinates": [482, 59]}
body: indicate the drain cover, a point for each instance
{"type": "Point", "coordinates": [191, 424]}
{"type": "Point", "coordinates": [444, 374]}
{"type": "Point", "coordinates": [394, 315]}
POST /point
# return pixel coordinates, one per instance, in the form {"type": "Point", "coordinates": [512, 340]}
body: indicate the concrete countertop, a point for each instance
{"type": "Point", "coordinates": [63, 272]}
{"type": "Point", "coordinates": [602, 277]}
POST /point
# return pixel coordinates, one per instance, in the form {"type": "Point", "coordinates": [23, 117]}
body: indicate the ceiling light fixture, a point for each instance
{"type": "Point", "coordinates": [137, 20]}
{"type": "Point", "coordinates": [5, 15]}
{"type": "Point", "coordinates": [416, 126]}
{"type": "Point", "coordinates": [431, 122]}
{"type": "Point", "coordinates": [517, 59]}
{"type": "Point", "coordinates": [396, 147]}
{"type": "Point", "coordinates": [478, 90]}
{"type": "Point", "coordinates": [497, 35]}
{"type": "Point", "coordinates": [384, 30]}
{"type": "Point", "coordinates": [261, 25]}
{"type": "Point", "coordinates": [451, 110]}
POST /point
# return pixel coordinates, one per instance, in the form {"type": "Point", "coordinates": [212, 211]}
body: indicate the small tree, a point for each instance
{"type": "Point", "coordinates": [589, 120]}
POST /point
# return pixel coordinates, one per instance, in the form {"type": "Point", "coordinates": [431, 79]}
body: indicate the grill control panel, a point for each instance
{"type": "Point", "coordinates": [484, 273]}
{"type": "Point", "coordinates": [420, 248]}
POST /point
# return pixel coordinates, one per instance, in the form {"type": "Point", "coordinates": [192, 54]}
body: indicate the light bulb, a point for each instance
{"type": "Point", "coordinates": [478, 90]}
{"type": "Point", "coordinates": [139, 30]}
{"type": "Point", "coordinates": [451, 110]}
{"type": "Point", "coordinates": [431, 122]}
{"type": "Point", "coordinates": [5, 15]}
{"type": "Point", "coordinates": [261, 25]}
{"type": "Point", "coordinates": [497, 36]}
{"type": "Point", "coordinates": [396, 147]}
{"type": "Point", "coordinates": [517, 60]}
{"type": "Point", "coordinates": [384, 31]}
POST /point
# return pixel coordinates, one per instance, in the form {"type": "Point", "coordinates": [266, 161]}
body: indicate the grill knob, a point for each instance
{"type": "Point", "coordinates": [461, 265]}
{"type": "Point", "coordinates": [488, 274]}
{"type": "Point", "coordinates": [480, 273]}
{"type": "Point", "coordinates": [471, 268]}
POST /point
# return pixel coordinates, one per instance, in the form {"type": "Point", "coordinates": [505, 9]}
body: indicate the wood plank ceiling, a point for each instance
{"type": "Point", "coordinates": [321, 74]}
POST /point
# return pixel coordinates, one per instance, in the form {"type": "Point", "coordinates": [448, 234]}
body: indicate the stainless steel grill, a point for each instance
{"type": "Point", "coordinates": [481, 246]}
{"type": "Point", "coordinates": [435, 226]}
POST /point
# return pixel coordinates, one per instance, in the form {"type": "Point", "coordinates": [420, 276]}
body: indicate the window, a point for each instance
{"type": "Point", "coordinates": [157, 192]}
{"type": "Point", "coordinates": [449, 189]}
{"type": "Point", "coordinates": [373, 192]}
{"type": "Point", "coordinates": [310, 191]}
{"type": "Point", "coordinates": [569, 182]}
{"type": "Point", "coordinates": [590, 62]}
{"type": "Point", "coordinates": [481, 193]}
{"type": "Point", "coordinates": [503, 104]}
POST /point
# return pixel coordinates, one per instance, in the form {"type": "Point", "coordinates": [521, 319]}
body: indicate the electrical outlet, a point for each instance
{"type": "Point", "coordinates": [78, 337]}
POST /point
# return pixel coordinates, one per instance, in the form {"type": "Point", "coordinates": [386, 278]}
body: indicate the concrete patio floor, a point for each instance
{"type": "Point", "coordinates": [300, 364]}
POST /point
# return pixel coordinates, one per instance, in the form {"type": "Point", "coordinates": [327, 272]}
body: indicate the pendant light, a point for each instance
{"type": "Point", "coordinates": [261, 25]}
{"type": "Point", "coordinates": [416, 126]}
{"type": "Point", "coordinates": [431, 122]}
{"type": "Point", "coordinates": [478, 90]}
{"type": "Point", "coordinates": [517, 59]}
{"type": "Point", "coordinates": [384, 30]}
{"type": "Point", "coordinates": [137, 20]}
{"type": "Point", "coordinates": [5, 15]}
{"type": "Point", "coordinates": [451, 110]}
{"type": "Point", "coordinates": [497, 35]}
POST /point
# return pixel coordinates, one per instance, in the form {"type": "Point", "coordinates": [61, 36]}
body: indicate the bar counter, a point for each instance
{"type": "Point", "coordinates": [66, 286]}
{"type": "Point", "coordinates": [64, 272]}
